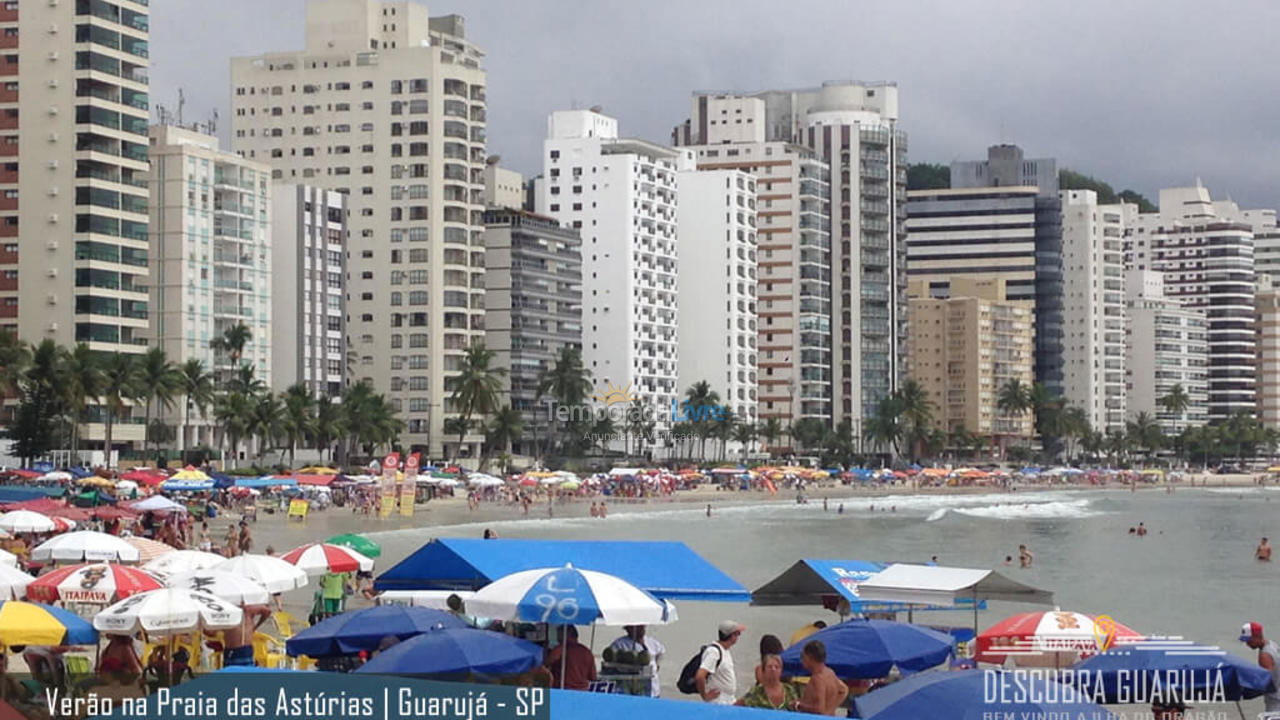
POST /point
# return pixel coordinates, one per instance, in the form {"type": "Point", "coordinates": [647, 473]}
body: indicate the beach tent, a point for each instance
{"type": "Point", "coordinates": [267, 481]}
{"type": "Point", "coordinates": [668, 570]}
{"type": "Point", "coordinates": [946, 586]}
{"type": "Point", "coordinates": [814, 581]}
{"type": "Point", "coordinates": [316, 480]}
{"type": "Point", "coordinates": [14, 494]}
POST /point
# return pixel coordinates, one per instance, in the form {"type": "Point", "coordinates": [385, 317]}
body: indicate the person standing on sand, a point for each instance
{"type": "Point", "coordinates": [1263, 552]}
{"type": "Point", "coordinates": [708, 509]}
{"type": "Point", "coordinates": [825, 692]}
{"type": "Point", "coordinates": [716, 680]}
{"type": "Point", "coordinates": [1025, 558]}
{"type": "Point", "coordinates": [1268, 658]}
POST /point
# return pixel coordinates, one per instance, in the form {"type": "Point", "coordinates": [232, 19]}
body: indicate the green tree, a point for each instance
{"type": "Point", "coordinates": [328, 424]}
{"type": "Point", "coordinates": [159, 379]}
{"type": "Point", "coordinates": [121, 385]}
{"type": "Point", "coordinates": [370, 419]}
{"type": "Point", "coordinates": [81, 382]}
{"type": "Point", "coordinates": [1176, 401]}
{"type": "Point", "coordinates": [234, 412]}
{"type": "Point", "coordinates": [744, 433]}
{"type": "Point", "coordinates": [1072, 180]}
{"type": "Point", "coordinates": [266, 422]}
{"type": "Point", "coordinates": [477, 386]}
{"type": "Point", "coordinates": [928, 176]}
{"type": "Point", "coordinates": [1144, 433]}
{"type": "Point", "coordinates": [196, 385]}
{"type": "Point", "coordinates": [567, 383]}
{"type": "Point", "coordinates": [232, 342]}
{"type": "Point", "coordinates": [917, 414]}
{"type": "Point", "coordinates": [298, 420]}
{"type": "Point", "coordinates": [771, 430]}
{"type": "Point", "coordinates": [505, 428]}
{"type": "Point", "coordinates": [809, 433]}
{"type": "Point", "coordinates": [15, 355]}
{"type": "Point", "coordinates": [700, 403]}
{"type": "Point", "coordinates": [885, 429]}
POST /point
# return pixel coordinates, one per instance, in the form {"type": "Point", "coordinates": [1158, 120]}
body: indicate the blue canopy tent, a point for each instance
{"type": "Point", "coordinates": [221, 481]}
{"type": "Point", "coordinates": [266, 481]}
{"type": "Point", "coordinates": [668, 570]}
{"type": "Point", "coordinates": [816, 581]}
{"type": "Point", "coordinates": [17, 494]}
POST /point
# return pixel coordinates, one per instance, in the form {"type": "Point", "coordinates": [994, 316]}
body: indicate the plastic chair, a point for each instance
{"type": "Point", "coordinates": [284, 623]}
{"type": "Point", "coordinates": [79, 669]}
{"type": "Point", "coordinates": [268, 651]}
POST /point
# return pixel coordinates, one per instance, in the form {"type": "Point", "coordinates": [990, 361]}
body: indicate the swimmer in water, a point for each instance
{"type": "Point", "coordinates": [1025, 558]}
{"type": "Point", "coordinates": [708, 509]}
{"type": "Point", "coordinates": [840, 510]}
{"type": "Point", "coordinates": [1142, 530]}
{"type": "Point", "coordinates": [1263, 552]}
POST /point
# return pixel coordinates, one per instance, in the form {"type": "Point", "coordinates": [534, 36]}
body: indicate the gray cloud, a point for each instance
{"type": "Point", "coordinates": [1145, 95]}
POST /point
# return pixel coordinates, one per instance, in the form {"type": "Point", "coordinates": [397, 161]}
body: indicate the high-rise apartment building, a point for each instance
{"type": "Point", "coordinates": [387, 106]}
{"type": "Point", "coordinates": [1167, 347]}
{"type": "Point", "coordinates": [533, 307]}
{"type": "Point", "coordinates": [73, 191]}
{"type": "Point", "coordinates": [964, 348]}
{"type": "Point", "coordinates": [793, 230]}
{"type": "Point", "coordinates": [1093, 308]}
{"type": "Point", "coordinates": [717, 286]}
{"type": "Point", "coordinates": [621, 194]}
{"type": "Point", "coordinates": [1267, 312]}
{"type": "Point", "coordinates": [853, 128]}
{"type": "Point", "coordinates": [1006, 166]}
{"type": "Point", "coordinates": [1205, 252]}
{"type": "Point", "coordinates": [309, 238]}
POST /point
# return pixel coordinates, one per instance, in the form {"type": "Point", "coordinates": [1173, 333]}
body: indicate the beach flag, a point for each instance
{"type": "Point", "coordinates": [409, 488]}
{"type": "Point", "coordinates": [388, 485]}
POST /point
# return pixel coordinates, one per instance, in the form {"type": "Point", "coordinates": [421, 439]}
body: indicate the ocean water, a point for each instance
{"type": "Point", "coordinates": [1193, 575]}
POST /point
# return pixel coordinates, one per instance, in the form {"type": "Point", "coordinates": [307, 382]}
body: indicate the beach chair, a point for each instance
{"type": "Point", "coordinates": [79, 669]}
{"type": "Point", "coordinates": [284, 623]}
{"type": "Point", "coordinates": [268, 651]}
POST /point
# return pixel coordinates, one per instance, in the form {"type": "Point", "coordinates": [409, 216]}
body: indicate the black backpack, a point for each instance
{"type": "Point", "coordinates": [688, 683]}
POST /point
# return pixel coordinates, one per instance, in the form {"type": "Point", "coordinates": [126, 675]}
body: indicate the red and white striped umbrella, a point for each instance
{"type": "Point", "coordinates": [96, 583]}
{"type": "Point", "coordinates": [1039, 637]}
{"type": "Point", "coordinates": [148, 549]}
{"type": "Point", "coordinates": [321, 558]}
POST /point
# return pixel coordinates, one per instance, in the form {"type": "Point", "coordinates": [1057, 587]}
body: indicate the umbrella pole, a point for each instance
{"type": "Point", "coordinates": [1241, 709]}
{"type": "Point", "coordinates": [564, 651]}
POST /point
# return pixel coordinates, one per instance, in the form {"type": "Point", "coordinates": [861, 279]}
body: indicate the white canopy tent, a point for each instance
{"type": "Point", "coordinates": [944, 586]}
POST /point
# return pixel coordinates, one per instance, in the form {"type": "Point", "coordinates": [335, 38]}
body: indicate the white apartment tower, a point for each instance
{"type": "Point", "coordinates": [210, 259]}
{"type": "Point", "coordinates": [621, 195]}
{"type": "Point", "coordinates": [308, 313]}
{"type": "Point", "coordinates": [387, 106]}
{"type": "Point", "coordinates": [793, 251]}
{"type": "Point", "coordinates": [73, 192]}
{"type": "Point", "coordinates": [717, 286]}
{"type": "Point", "coordinates": [1093, 308]}
{"type": "Point", "coordinates": [1205, 252]}
{"type": "Point", "coordinates": [853, 127]}
{"type": "Point", "coordinates": [1167, 347]}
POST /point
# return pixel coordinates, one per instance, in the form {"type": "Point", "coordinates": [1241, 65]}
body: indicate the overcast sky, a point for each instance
{"type": "Point", "coordinates": [1142, 94]}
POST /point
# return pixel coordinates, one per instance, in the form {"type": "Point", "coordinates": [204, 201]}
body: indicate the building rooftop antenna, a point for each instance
{"type": "Point", "coordinates": [182, 101]}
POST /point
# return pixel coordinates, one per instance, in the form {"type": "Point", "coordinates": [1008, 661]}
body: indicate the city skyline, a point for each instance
{"type": "Point", "coordinates": [993, 73]}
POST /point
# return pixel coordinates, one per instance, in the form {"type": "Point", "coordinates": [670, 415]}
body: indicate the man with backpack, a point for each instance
{"type": "Point", "coordinates": [710, 673]}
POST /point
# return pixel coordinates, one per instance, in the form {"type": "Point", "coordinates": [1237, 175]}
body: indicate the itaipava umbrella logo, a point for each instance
{"type": "Point", "coordinates": [1104, 632]}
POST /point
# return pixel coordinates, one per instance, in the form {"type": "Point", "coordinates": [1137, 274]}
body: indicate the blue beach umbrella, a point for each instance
{"type": "Point", "coordinates": [1196, 673]}
{"type": "Point", "coordinates": [871, 648]}
{"type": "Point", "coordinates": [569, 596]}
{"type": "Point", "coordinates": [456, 651]}
{"type": "Point", "coordinates": [976, 695]}
{"type": "Point", "coordinates": [364, 629]}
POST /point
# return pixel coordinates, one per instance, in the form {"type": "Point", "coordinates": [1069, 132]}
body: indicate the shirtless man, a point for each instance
{"type": "Point", "coordinates": [825, 693]}
{"type": "Point", "coordinates": [1025, 558]}
{"type": "Point", "coordinates": [1263, 552]}
{"type": "Point", "coordinates": [239, 640]}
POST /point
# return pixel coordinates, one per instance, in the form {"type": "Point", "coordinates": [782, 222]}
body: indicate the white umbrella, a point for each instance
{"type": "Point", "coordinates": [25, 521]}
{"type": "Point", "coordinates": [482, 480]}
{"type": "Point", "coordinates": [229, 586]}
{"type": "Point", "coordinates": [126, 485]}
{"type": "Point", "coordinates": [157, 503]}
{"type": "Point", "coordinates": [448, 482]}
{"type": "Point", "coordinates": [275, 574]}
{"type": "Point", "coordinates": [170, 611]}
{"type": "Point", "coordinates": [57, 476]}
{"type": "Point", "coordinates": [84, 546]}
{"type": "Point", "coordinates": [569, 596]}
{"type": "Point", "coordinates": [181, 561]}
{"type": "Point", "coordinates": [13, 583]}
{"type": "Point", "coordinates": [8, 559]}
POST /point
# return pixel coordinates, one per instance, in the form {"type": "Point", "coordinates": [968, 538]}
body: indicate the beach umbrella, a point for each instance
{"type": "Point", "coordinates": [27, 623]}
{"type": "Point", "coordinates": [13, 583]}
{"type": "Point", "coordinates": [570, 485]}
{"type": "Point", "coordinates": [149, 477]}
{"type": "Point", "coordinates": [180, 561]}
{"type": "Point", "coordinates": [94, 583]}
{"type": "Point", "coordinates": [149, 550]}
{"type": "Point", "coordinates": [456, 651]}
{"type": "Point", "coordinates": [126, 485]}
{"type": "Point", "coordinates": [321, 558]}
{"type": "Point", "coordinates": [569, 596]}
{"type": "Point", "coordinates": [25, 521]}
{"type": "Point", "coordinates": [275, 574]}
{"type": "Point", "coordinates": [168, 611]}
{"type": "Point", "coordinates": [95, 481]}
{"type": "Point", "coordinates": [975, 695]}
{"type": "Point", "coordinates": [528, 481]}
{"type": "Point", "coordinates": [482, 480]}
{"type": "Point", "coordinates": [365, 629]}
{"type": "Point", "coordinates": [57, 476]}
{"type": "Point", "coordinates": [871, 648]}
{"type": "Point", "coordinates": [7, 558]}
{"type": "Point", "coordinates": [1045, 637]}
{"type": "Point", "coordinates": [359, 543]}
{"type": "Point", "coordinates": [84, 546]}
{"type": "Point", "coordinates": [317, 470]}
{"type": "Point", "coordinates": [111, 512]}
{"type": "Point", "coordinates": [189, 473]}
{"type": "Point", "coordinates": [231, 587]}
{"type": "Point", "coordinates": [157, 503]}
{"type": "Point", "coordinates": [1193, 672]}
{"type": "Point", "coordinates": [61, 524]}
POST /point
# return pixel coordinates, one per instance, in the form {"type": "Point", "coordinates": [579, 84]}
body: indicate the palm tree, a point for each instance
{"type": "Point", "coordinates": [1145, 433]}
{"type": "Point", "coordinates": [744, 434]}
{"type": "Point", "coordinates": [1014, 398]}
{"type": "Point", "coordinates": [602, 431]}
{"type": "Point", "coordinates": [567, 382]}
{"type": "Point", "coordinates": [160, 381]}
{"type": "Point", "coordinates": [917, 411]}
{"type": "Point", "coordinates": [298, 420]}
{"type": "Point", "coordinates": [477, 386]}
{"type": "Point", "coordinates": [699, 404]}
{"type": "Point", "coordinates": [266, 422]}
{"type": "Point", "coordinates": [1074, 425]}
{"type": "Point", "coordinates": [1176, 401]}
{"type": "Point", "coordinates": [197, 388]}
{"type": "Point", "coordinates": [634, 424]}
{"type": "Point", "coordinates": [15, 355]}
{"type": "Point", "coordinates": [120, 382]}
{"type": "Point", "coordinates": [370, 420]}
{"type": "Point", "coordinates": [885, 428]}
{"type": "Point", "coordinates": [234, 413]}
{"type": "Point", "coordinates": [809, 433]}
{"type": "Point", "coordinates": [328, 424]}
{"type": "Point", "coordinates": [505, 428]}
{"type": "Point", "coordinates": [245, 381]}
{"type": "Point", "coordinates": [82, 381]}
{"type": "Point", "coordinates": [232, 342]}
{"type": "Point", "coordinates": [771, 430]}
